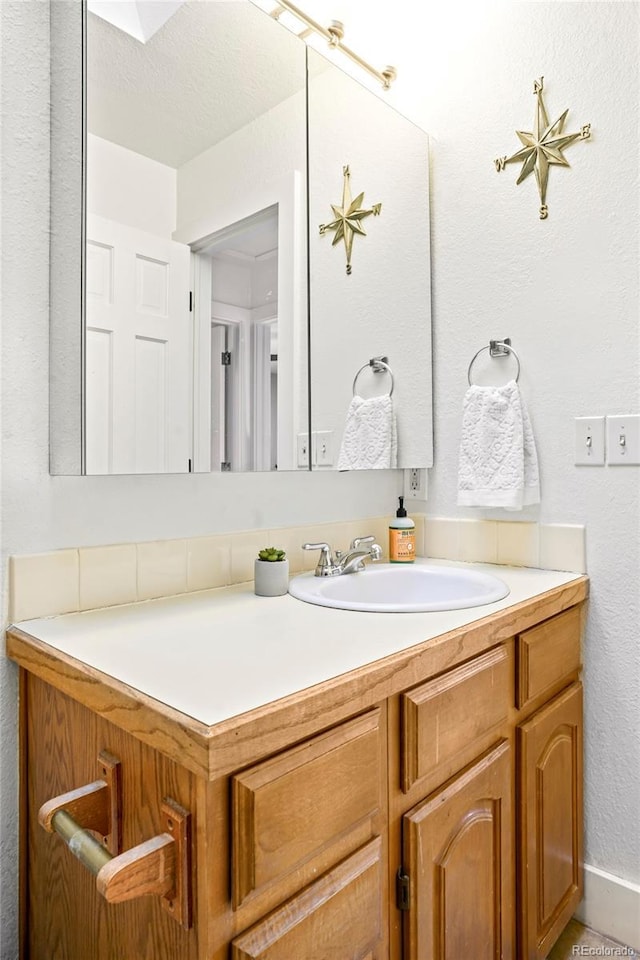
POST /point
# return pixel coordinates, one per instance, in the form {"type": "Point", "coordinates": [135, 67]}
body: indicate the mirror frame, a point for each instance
{"type": "Point", "coordinates": [67, 224]}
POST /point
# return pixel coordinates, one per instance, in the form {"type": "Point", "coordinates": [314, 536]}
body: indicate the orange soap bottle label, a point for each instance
{"type": "Point", "coordinates": [402, 546]}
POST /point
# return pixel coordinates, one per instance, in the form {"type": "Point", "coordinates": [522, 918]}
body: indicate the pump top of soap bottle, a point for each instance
{"type": "Point", "coordinates": [401, 512]}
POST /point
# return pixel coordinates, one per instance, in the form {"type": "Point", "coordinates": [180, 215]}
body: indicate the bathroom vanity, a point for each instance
{"type": "Point", "coordinates": [306, 783]}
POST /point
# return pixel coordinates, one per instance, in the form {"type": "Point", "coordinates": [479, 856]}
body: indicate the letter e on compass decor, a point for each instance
{"type": "Point", "coordinates": [349, 217]}
{"type": "Point", "coordinates": [542, 147]}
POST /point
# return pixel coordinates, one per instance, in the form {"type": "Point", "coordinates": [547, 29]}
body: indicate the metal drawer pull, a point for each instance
{"type": "Point", "coordinates": [157, 867]}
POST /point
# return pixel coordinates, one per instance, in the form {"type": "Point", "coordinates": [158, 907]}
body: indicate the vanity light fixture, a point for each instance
{"type": "Point", "coordinates": [303, 26]}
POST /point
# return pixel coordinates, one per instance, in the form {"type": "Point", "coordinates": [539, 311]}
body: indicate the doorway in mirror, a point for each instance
{"type": "Point", "coordinates": [235, 397]}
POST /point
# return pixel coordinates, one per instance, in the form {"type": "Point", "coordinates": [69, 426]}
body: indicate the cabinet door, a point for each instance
{"type": "Point", "coordinates": [550, 760]}
{"type": "Point", "coordinates": [458, 853]}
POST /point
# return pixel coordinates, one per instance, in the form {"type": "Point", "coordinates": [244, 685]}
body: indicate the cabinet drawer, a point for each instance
{"type": "Point", "coordinates": [547, 655]}
{"type": "Point", "coordinates": [337, 918]}
{"type": "Point", "coordinates": [453, 712]}
{"type": "Point", "coordinates": [311, 805]}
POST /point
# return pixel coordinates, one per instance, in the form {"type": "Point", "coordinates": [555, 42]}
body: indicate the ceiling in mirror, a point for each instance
{"type": "Point", "coordinates": [188, 87]}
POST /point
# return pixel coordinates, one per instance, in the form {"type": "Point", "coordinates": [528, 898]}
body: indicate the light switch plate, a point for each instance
{"type": "Point", "coordinates": [623, 440]}
{"type": "Point", "coordinates": [323, 448]}
{"type": "Point", "coordinates": [303, 451]}
{"type": "Point", "coordinates": [589, 441]}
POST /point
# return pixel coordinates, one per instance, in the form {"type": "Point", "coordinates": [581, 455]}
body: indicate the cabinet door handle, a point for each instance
{"type": "Point", "coordinates": [159, 866]}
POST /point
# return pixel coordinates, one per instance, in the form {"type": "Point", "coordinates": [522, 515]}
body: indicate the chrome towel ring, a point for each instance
{"type": "Point", "coordinates": [496, 348]}
{"type": "Point", "coordinates": [378, 365]}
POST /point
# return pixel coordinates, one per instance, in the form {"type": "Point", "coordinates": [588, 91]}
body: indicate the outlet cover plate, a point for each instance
{"type": "Point", "coordinates": [415, 483]}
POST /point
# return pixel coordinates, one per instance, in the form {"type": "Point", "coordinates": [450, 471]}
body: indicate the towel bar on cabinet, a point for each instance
{"type": "Point", "coordinates": [157, 866]}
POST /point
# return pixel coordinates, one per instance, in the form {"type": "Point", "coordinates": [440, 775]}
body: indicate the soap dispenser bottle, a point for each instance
{"type": "Point", "coordinates": [402, 537]}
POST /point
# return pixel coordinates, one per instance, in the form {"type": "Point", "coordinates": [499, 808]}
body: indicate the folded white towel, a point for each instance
{"type": "Point", "coordinates": [498, 461]}
{"type": "Point", "coordinates": [370, 439]}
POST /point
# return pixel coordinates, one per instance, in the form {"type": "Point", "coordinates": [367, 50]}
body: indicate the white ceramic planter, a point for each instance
{"type": "Point", "coordinates": [271, 578]}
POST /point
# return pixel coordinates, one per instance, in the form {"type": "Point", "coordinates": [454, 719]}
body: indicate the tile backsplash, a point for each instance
{"type": "Point", "coordinates": [67, 581]}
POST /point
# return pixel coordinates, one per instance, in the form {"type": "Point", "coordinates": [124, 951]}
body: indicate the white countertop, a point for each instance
{"type": "Point", "coordinates": [219, 653]}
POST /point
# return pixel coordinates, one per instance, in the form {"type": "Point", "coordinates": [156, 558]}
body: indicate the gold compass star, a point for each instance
{"type": "Point", "coordinates": [348, 217]}
{"type": "Point", "coordinates": [543, 147]}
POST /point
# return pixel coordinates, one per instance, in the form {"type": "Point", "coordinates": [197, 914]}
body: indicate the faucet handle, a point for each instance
{"type": "Point", "coordinates": [316, 546]}
{"type": "Point", "coordinates": [325, 563]}
{"type": "Point", "coordinates": [375, 549]}
{"type": "Point", "coordinates": [357, 543]}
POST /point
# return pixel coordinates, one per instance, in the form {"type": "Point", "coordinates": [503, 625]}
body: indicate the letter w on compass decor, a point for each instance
{"type": "Point", "coordinates": [542, 147]}
{"type": "Point", "coordinates": [349, 217]}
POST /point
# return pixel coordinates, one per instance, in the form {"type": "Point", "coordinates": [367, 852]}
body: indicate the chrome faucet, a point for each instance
{"type": "Point", "coordinates": [336, 565]}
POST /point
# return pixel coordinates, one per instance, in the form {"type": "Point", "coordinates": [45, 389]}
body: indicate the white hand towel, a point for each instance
{"type": "Point", "coordinates": [370, 440]}
{"type": "Point", "coordinates": [498, 461]}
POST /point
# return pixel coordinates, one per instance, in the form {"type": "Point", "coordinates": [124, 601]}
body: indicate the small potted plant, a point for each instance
{"type": "Point", "coordinates": [271, 573]}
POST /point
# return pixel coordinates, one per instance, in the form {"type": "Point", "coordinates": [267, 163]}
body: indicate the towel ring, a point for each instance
{"type": "Point", "coordinates": [497, 348]}
{"type": "Point", "coordinates": [378, 365]}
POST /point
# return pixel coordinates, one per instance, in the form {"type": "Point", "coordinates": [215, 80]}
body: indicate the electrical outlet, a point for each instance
{"type": "Point", "coordinates": [415, 483]}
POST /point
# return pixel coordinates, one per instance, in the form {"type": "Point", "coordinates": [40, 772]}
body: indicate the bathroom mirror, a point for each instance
{"type": "Point", "coordinates": [379, 304]}
{"type": "Point", "coordinates": [195, 175]}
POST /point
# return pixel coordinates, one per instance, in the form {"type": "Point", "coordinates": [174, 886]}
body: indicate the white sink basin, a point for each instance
{"type": "Point", "coordinates": [401, 588]}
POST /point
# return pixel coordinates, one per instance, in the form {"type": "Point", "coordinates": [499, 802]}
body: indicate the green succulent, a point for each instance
{"type": "Point", "coordinates": [271, 554]}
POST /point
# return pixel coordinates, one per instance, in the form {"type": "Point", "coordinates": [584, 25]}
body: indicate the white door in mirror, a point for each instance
{"type": "Point", "coordinates": [389, 588]}
{"type": "Point", "coordinates": [137, 351]}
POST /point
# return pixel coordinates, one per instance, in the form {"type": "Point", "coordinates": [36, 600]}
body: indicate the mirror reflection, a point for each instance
{"type": "Point", "coordinates": [370, 295]}
{"type": "Point", "coordinates": [195, 279]}
{"type": "Point", "coordinates": [195, 321]}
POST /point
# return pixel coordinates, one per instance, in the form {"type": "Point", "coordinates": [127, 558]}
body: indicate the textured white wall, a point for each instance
{"type": "Point", "coordinates": [566, 290]}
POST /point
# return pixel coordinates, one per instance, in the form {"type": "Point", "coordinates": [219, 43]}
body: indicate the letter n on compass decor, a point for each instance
{"type": "Point", "coordinates": [543, 147]}
{"type": "Point", "coordinates": [349, 217]}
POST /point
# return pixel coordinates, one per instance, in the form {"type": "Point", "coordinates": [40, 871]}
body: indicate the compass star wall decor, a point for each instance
{"type": "Point", "coordinates": [542, 147]}
{"type": "Point", "coordinates": [349, 217]}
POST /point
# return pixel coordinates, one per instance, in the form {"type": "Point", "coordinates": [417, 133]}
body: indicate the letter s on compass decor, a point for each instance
{"type": "Point", "coordinates": [542, 147]}
{"type": "Point", "coordinates": [349, 217]}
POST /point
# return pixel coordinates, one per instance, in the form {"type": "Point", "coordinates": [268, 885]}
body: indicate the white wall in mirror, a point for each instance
{"type": "Point", "coordinates": [382, 308]}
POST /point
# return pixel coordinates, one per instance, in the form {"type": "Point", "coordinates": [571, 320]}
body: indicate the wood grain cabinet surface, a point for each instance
{"type": "Point", "coordinates": [423, 807]}
{"type": "Point", "coordinates": [458, 849]}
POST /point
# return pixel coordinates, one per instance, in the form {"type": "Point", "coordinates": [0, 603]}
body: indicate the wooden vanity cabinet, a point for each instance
{"type": "Point", "coordinates": [426, 808]}
{"type": "Point", "coordinates": [550, 832]}
{"type": "Point", "coordinates": [486, 801]}
{"type": "Point", "coordinates": [458, 851]}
